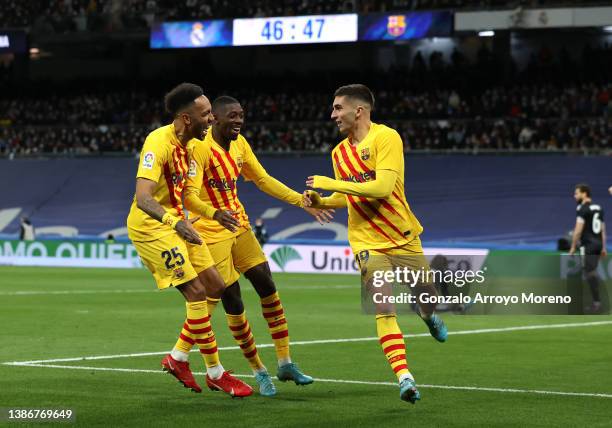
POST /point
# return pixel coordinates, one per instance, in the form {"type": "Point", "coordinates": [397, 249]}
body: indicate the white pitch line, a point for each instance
{"type": "Point", "coordinates": [345, 381]}
{"type": "Point", "coordinates": [67, 292]}
{"type": "Point", "coordinates": [322, 341]}
{"type": "Point", "coordinates": [127, 291]}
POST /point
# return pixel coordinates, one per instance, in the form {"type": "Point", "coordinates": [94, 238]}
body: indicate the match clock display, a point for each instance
{"type": "Point", "coordinates": [295, 30]}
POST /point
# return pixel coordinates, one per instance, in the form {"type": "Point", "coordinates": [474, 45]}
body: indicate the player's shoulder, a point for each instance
{"type": "Point", "coordinates": [160, 135]}
{"type": "Point", "coordinates": [199, 145]}
{"type": "Point", "coordinates": [242, 143]}
{"type": "Point", "coordinates": [382, 131]}
{"type": "Point", "coordinates": [159, 140]}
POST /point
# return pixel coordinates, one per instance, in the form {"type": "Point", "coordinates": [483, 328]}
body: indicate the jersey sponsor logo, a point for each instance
{"type": "Point", "coordinates": [148, 159]}
{"type": "Point", "coordinates": [192, 169]}
{"type": "Point", "coordinates": [365, 153]}
{"type": "Point", "coordinates": [363, 176]}
{"type": "Point", "coordinates": [396, 25]}
{"type": "Point", "coordinates": [222, 184]}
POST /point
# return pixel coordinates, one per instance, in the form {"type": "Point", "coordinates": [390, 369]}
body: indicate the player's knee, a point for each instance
{"type": "Point", "coordinates": [194, 291]}
{"type": "Point", "coordinates": [385, 309]}
{"type": "Point", "coordinates": [213, 282]}
{"type": "Point", "coordinates": [591, 274]}
{"type": "Point", "coordinates": [232, 300]}
{"type": "Point", "coordinates": [261, 278]}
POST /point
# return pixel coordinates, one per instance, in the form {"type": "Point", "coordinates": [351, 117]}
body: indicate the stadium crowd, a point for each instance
{"type": "Point", "coordinates": [521, 101]}
{"type": "Point", "coordinates": [551, 104]}
{"type": "Point", "coordinates": [460, 135]}
{"type": "Point", "coordinates": [62, 16]}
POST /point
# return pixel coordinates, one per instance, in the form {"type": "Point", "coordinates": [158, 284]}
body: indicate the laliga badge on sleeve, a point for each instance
{"type": "Point", "coordinates": [192, 169]}
{"type": "Point", "coordinates": [147, 160]}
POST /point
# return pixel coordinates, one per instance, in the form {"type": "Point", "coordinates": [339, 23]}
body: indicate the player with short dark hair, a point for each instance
{"type": "Point", "coordinates": [356, 92]}
{"type": "Point", "coordinates": [590, 235]}
{"type": "Point", "coordinates": [161, 234]}
{"type": "Point", "coordinates": [211, 192]}
{"type": "Point", "coordinates": [383, 231]}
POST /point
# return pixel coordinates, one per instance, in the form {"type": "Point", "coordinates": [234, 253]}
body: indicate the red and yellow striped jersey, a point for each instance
{"type": "Point", "coordinates": [213, 176]}
{"type": "Point", "coordinates": [165, 161]}
{"type": "Point", "coordinates": [376, 223]}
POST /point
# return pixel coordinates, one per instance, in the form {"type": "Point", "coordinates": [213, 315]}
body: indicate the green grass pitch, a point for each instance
{"type": "Point", "coordinates": [56, 313]}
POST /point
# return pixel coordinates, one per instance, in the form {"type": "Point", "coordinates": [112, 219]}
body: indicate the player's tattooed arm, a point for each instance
{"type": "Point", "coordinates": [145, 200]}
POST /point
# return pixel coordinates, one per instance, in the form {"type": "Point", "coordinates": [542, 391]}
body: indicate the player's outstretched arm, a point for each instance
{"type": "Point", "coordinates": [146, 202]}
{"type": "Point", "coordinates": [381, 187]}
{"type": "Point", "coordinates": [313, 199]}
{"type": "Point", "coordinates": [253, 170]}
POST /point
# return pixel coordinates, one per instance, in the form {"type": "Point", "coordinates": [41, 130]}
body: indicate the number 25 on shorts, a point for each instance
{"type": "Point", "coordinates": [171, 255]}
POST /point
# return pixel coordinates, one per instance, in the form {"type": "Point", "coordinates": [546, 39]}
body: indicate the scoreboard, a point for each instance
{"type": "Point", "coordinates": [287, 30]}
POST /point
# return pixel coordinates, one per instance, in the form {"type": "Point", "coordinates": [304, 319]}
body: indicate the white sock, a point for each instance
{"type": "Point", "coordinates": [284, 361]}
{"type": "Point", "coordinates": [406, 376]}
{"type": "Point", "coordinates": [260, 370]}
{"type": "Point", "coordinates": [215, 372]}
{"type": "Point", "coordinates": [179, 355]}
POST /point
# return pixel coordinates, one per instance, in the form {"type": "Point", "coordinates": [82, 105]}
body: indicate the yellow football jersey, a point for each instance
{"type": "Point", "coordinates": [165, 161]}
{"type": "Point", "coordinates": [213, 175]}
{"type": "Point", "coordinates": [376, 223]}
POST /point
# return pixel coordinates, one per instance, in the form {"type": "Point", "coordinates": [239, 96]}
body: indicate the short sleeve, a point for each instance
{"type": "Point", "coordinates": [252, 170]}
{"type": "Point", "coordinates": [580, 214]}
{"type": "Point", "coordinates": [151, 160]}
{"type": "Point", "coordinates": [390, 151]}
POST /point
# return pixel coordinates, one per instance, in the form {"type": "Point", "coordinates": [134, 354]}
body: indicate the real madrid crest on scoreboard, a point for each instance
{"type": "Point", "coordinates": [197, 34]}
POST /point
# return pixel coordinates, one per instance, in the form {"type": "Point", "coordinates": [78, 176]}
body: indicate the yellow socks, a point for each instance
{"type": "Point", "coordinates": [392, 342]}
{"type": "Point", "coordinates": [277, 324]}
{"type": "Point", "coordinates": [198, 324]}
{"type": "Point", "coordinates": [241, 330]}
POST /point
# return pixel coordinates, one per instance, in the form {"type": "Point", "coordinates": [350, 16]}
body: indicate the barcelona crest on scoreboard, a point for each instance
{"type": "Point", "coordinates": [405, 26]}
{"type": "Point", "coordinates": [396, 25]}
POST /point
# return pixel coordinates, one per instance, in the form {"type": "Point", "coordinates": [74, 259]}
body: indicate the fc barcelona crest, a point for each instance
{"type": "Point", "coordinates": [179, 273]}
{"type": "Point", "coordinates": [239, 162]}
{"type": "Point", "coordinates": [396, 25]}
{"type": "Point", "coordinates": [364, 256]}
{"type": "Point", "coordinates": [365, 153]}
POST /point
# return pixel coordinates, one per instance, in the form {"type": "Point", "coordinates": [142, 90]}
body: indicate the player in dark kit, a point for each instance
{"type": "Point", "coordinates": [590, 233]}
